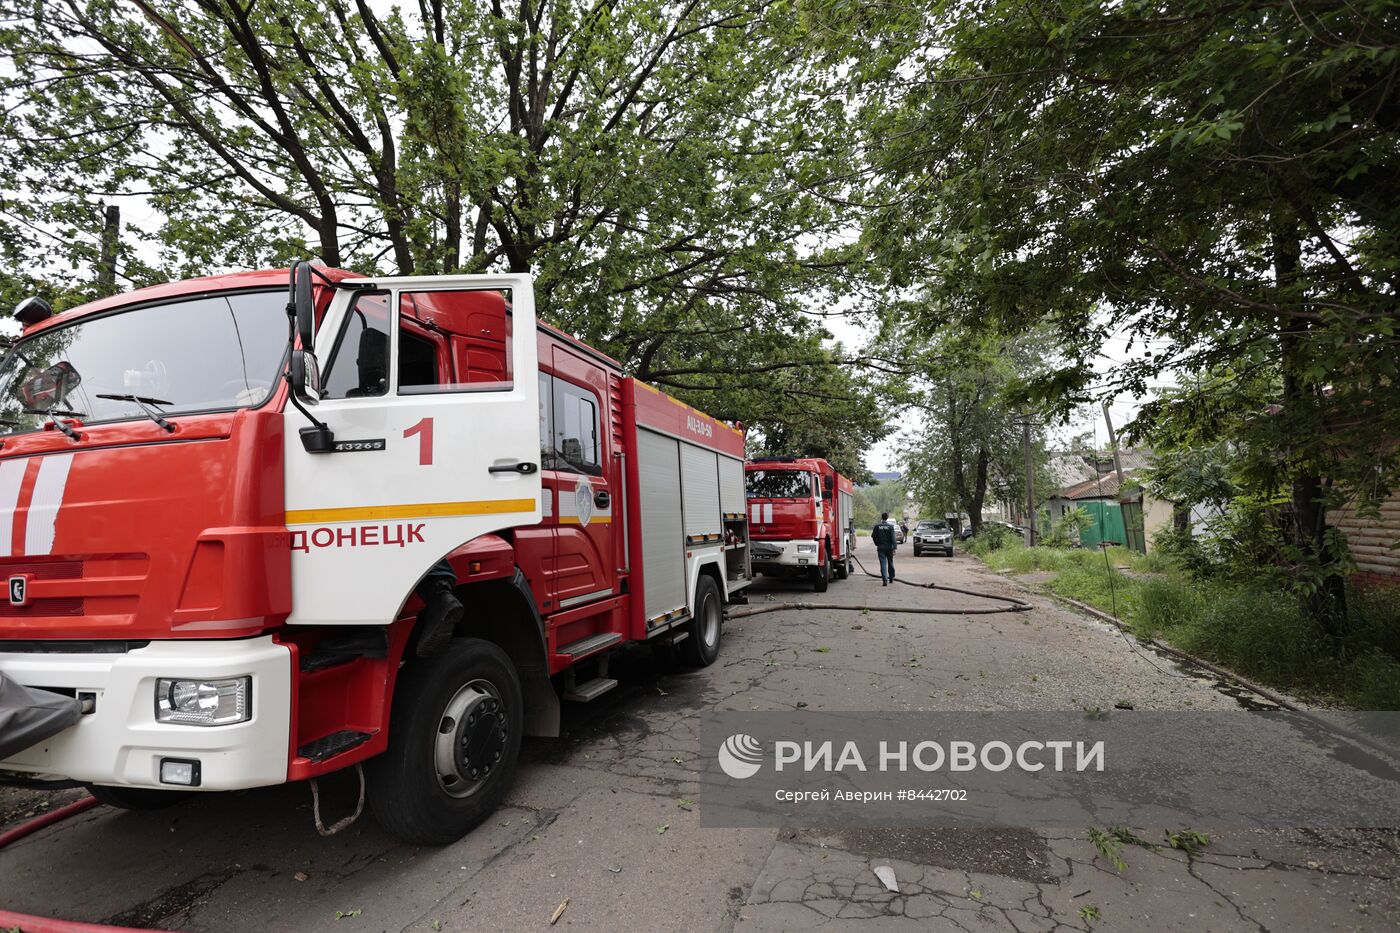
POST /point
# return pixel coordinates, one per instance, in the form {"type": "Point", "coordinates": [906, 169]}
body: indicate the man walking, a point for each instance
{"type": "Point", "coordinates": [883, 537]}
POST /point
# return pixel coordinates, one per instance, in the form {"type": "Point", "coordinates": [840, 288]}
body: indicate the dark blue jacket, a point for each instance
{"type": "Point", "coordinates": [883, 536]}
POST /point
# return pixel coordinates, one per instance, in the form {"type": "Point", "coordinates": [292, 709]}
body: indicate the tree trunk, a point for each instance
{"type": "Point", "coordinates": [979, 493]}
{"type": "Point", "coordinates": [1302, 409]}
{"type": "Point", "coordinates": [483, 225]}
{"type": "Point", "coordinates": [329, 232]}
{"type": "Point", "coordinates": [111, 240]}
{"type": "Point", "coordinates": [955, 441]}
{"type": "Point", "coordinates": [452, 230]}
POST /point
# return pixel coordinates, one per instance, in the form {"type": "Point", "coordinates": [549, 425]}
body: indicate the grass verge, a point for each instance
{"type": "Point", "coordinates": [1263, 634]}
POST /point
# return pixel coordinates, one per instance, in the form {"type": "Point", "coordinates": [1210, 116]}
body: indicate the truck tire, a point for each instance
{"type": "Point", "coordinates": [842, 568]}
{"type": "Point", "coordinates": [823, 574]}
{"type": "Point", "coordinates": [137, 798]}
{"type": "Point", "coordinates": [702, 647]}
{"type": "Point", "coordinates": [454, 740]}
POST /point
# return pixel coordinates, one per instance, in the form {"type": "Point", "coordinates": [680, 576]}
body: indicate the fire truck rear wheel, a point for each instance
{"type": "Point", "coordinates": [823, 574]}
{"type": "Point", "coordinates": [702, 647]}
{"type": "Point", "coordinates": [454, 739]}
{"type": "Point", "coordinates": [137, 798]}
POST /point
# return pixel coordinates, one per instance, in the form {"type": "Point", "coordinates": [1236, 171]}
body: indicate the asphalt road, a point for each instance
{"type": "Point", "coordinates": [607, 817]}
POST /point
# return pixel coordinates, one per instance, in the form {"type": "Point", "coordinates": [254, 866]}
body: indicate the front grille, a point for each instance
{"type": "Point", "coordinates": [60, 606]}
{"type": "Point", "coordinates": [43, 569]}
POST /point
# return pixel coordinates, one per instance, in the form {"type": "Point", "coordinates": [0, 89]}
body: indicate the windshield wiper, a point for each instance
{"type": "Point", "coordinates": [144, 401]}
{"type": "Point", "coordinates": [63, 426]}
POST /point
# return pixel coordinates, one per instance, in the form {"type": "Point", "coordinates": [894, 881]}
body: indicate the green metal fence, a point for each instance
{"type": "Point", "coordinates": [1107, 524]}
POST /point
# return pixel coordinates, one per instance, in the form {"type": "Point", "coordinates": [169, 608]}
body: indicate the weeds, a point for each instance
{"type": "Point", "coordinates": [1109, 846]}
{"type": "Point", "coordinates": [1264, 634]}
{"type": "Point", "coordinates": [1188, 841]}
{"type": "Point", "coordinates": [1110, 842]}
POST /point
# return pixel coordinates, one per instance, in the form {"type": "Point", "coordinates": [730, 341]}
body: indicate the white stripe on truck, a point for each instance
{"type": "Point", "coordinates": [11, 476]}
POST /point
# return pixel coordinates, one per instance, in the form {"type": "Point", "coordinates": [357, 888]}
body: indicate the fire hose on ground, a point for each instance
{"type": "Point", "coordinates": [1013, 604]}
{"type": "Point", "coordinates": [28, 923]}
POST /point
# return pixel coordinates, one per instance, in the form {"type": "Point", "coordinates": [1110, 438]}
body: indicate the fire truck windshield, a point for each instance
{"type": "Point", "coordinates": [779, 484]}
{"type": "Point", "coordinates": [211, 353]}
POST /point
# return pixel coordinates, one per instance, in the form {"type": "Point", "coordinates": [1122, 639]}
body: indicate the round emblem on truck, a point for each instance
{"type": "Point", "coordinates": [584, 495]}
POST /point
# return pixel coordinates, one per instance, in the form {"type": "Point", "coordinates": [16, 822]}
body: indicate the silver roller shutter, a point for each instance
{"type": "Point", "coordinates": [700, 490]}
{"type": "Point", "coordinates": [663, 537]}
{"type": "Point", "coordinates": [731, 486]}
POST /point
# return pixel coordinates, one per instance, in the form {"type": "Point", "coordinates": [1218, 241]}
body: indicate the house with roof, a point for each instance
{"type": "Point", "coordinates": [1098, 496]}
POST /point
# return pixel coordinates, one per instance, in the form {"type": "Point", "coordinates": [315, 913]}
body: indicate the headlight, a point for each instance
{"type": "Point", "coordinates": [806, 549]}
{"type": "Point", "coordinates": [204, 702]}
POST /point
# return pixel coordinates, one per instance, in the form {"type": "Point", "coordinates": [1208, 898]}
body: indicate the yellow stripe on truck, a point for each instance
{"type": "Point", "coordinates": [410, 510]}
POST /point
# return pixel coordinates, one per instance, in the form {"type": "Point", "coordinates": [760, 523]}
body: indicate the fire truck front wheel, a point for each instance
{"type": "Point", "coordinates": [454, 739]}
{"type": "Point", "coordinates": [702, 647]}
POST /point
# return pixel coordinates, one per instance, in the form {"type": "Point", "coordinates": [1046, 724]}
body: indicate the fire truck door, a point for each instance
{"type": "Point", "coordinates": [436, 441]}
{"type": "Point", "coordinates": [585, 483]}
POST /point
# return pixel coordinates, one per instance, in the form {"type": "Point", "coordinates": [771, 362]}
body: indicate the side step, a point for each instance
{"type": "Point", "coordinates": [328, 746]}
{"type": "Point", "coordinates": [590, 645]}
{"type": "Point", "coordinates": [590, 689]}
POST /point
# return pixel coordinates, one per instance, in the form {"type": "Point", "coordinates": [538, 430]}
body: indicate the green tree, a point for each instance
{"type": "Point", "coordinates": [1221, 182]}
{"type": "Point", "coordinates": [673, 176]}
{"type": "Point", "coordinates": [872, 500]}
{"type": "Point", "coordinates": [970, 442]}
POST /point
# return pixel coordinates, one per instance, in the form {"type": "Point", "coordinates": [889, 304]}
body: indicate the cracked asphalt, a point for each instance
{"type": "Point", "coordinates": [607, 817]}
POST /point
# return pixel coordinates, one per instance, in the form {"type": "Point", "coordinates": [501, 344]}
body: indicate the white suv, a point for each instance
{"type": "Point", "coordinates": [933, 535]}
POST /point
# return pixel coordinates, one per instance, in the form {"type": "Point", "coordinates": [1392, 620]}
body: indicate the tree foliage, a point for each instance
{"type": "Point", "coordinates": [1218, 181]}
{"type": "Point", "coordinates": [969, 449]}
{"type": "Point", "coordinates": [671, 175]}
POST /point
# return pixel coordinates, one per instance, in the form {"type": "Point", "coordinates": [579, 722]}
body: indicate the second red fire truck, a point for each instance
{"type": "Point", "coordinates": [801, 519]}
{"type": "Point", "coordinates": [241, 552]}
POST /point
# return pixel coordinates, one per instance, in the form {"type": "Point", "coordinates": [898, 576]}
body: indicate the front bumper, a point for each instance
{"type": "Point", "coordinates": [929, 544]}
{"type": "Point", "coordinates": [121, 743]}
{"type": "Point", "coordinates": [787, 555]}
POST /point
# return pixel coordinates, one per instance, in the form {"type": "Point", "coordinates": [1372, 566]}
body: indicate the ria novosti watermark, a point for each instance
{"type": "Point", "coordinates": [740, 756]}
{"type": "Point", "coordinates": [1051, 769]}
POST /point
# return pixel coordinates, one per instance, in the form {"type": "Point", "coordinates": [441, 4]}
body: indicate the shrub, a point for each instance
{"type": "Point", "coordinates": [992, 537]}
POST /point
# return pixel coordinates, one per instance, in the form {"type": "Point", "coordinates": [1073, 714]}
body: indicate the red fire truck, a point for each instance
{"type": "Point", "coordinates": [801, 519]}
{"type": "Point", "coordinates": [220, 500]}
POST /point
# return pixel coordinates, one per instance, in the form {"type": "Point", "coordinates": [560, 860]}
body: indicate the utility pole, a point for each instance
{"type": "Point", "coordinates": [1113, 445]}
{"type": "Point", "coordinates": [107, 263]}
{"type": "Point", "coordinates": [1030, 480]}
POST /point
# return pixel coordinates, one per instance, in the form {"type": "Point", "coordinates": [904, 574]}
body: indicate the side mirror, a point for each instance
{"type": "Point", "coordinates": [48, 389]}
{"type": "Point", "coordinates": [304, 306]}
{"type": "Point", "coordinates": [306, 376]}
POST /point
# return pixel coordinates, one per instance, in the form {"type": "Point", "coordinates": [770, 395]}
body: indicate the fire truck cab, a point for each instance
{"type": "Point", "coordinates": [216, 524]}
{"type": "Point", "coordinates": [801, 519]}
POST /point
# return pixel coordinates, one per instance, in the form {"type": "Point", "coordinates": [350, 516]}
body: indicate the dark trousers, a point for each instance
{"type": "Point", "coordinates": [886, 564]}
